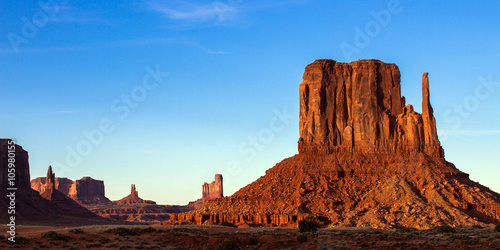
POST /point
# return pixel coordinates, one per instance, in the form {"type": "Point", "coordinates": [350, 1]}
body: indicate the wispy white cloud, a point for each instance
{"type": "Point", "coordinates": [470, 132]}
{"type": "Point", "coordinates": [57, 112]}
{"type": "Point", "coordinates": [70, 14]}
{"type": "Point", "coordinates": [217, 12]}
{"type": "Point", "coordinates": [160, 41]}
{"type": "Point", "coordinates": [195, 12]}
{"type": "Point", "coordinates": [118, 43]}
{"type": "Point", "coordinates": [42, 50]}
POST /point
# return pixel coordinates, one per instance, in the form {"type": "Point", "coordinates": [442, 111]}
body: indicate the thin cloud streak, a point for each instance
{"type": "Point", "coordinates": [470, 132]}
{"type": "Point", "coordinates": [184, 11]}
{"type": "Point", "coordinates": [119, 43]}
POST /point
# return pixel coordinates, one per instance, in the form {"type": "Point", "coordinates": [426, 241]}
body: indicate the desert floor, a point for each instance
{"type": "Point", "coordinates": [222, 237]}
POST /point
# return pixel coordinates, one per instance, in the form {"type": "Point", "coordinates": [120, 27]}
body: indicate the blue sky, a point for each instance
{"type": "Point", "coordinates": [181, 90]}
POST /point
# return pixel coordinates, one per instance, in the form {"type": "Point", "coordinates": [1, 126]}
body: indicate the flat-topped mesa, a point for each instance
{"type": "Point", "coordinates": [357, 107]}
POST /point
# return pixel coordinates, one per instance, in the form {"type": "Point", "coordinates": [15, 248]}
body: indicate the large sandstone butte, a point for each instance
{"type": "Point", "coordinates": [210, 191]}
{"type": "Point", "coordinates": [365, 159]}
{"type": "Point", "coordinates": [86, 191]}
{"type": "Point", "coordinates": [30, 206]}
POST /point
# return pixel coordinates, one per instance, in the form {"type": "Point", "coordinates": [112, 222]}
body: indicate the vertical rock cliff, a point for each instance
{"type": "Point", "coordinates": [358, 107]}
{"type": "Point", "coordinates": [85, 191]}
{"type": "Point", "coordinates": [210, 191]}
{"type": "Point", "coordinates": [19, 156]}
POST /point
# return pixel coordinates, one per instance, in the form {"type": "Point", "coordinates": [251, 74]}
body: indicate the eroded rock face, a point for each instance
{"type": "Point", "coordinates": [210, 191]}
{"type": "Point", "coordinates": [86, 191]}
{"type": "Point", "coordinates": [357, 107]}
{"type": "Point", "coordinates": [10, 150]}
{"type": "Point", "coordinates": [132, 198]}
{"type": "Point", "coordinates": [365, 159]}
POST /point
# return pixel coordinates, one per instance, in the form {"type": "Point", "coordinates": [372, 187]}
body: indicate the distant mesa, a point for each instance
{"type": "Point", "coordinates": [30, 206]}
{"type": "Point", "coordinates": [365, 159]}
{"type": "Point", "coordinates": [210, 191]}
{"type": "Point", "coordinates": [134, 209]}
{"type": "Point", "coordinates": [133, 198]}
{"type": "Point", "coordinates": [86, 191]}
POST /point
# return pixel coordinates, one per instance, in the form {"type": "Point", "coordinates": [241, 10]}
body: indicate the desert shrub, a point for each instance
{"type": "Point", "coordinates": [252, 240]}
{"type": "Point", "coordinates": [92, 245]}
{"type": "Point", "coordinates": [76, 231]}
{"type": "Point", "coordinates": [52, 235]}
{"type": "Point", "coordinates": [445, 229]}
{"type": "Point", "coordinates": [497, 228]}
{"type": "Point", "coordinates": [227, 224]}
{"type": "Point", "coordinates": [301, 238]}
{"type": "Point", "coordinates": [121, 231]}
{"type": "Point", "coordinates": [22, 240]}
{"type": "Point", "coordinates": [228, 245]}
{"type": "Point", "coordinates": [149, 230]}
{"type": "Point", "coordinates": [308, 224]}
{"type": "Point", "coordinates": [477, 226]}
{"type": "Point", "coordinates": [104, 240]}
{"type": "Point", "coordinates": [404, 230]}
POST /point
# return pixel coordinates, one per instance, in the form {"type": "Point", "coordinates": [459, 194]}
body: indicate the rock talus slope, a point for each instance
{"type": "Point", "coordinates": [365, 159]}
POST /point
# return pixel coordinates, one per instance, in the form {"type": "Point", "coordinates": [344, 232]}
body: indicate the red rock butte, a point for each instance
{"type": "Point", "coordinates": [132, 198]}
{"type": "Point", "coordinates": [211, 191]}
{"type": "Point", "coordinates": [86, 191]}
{"type": "Point", "coordinates": [365, 159]}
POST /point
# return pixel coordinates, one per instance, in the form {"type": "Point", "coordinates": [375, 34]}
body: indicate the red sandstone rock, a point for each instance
{"type": "Point", "coordinates": [86, 191]}
{"type": "Point", "coordinates": [365, 159]}
{"type": "Point", "coordinates": [357, 107]}
{"type": "Point", "coordinates": [210, 191]}
{"type": "Point", "coordinates": [30, 207]}
{"type": "Point", "coordinates": [142, 212]}
{"type": "Point", "coordinates": [132, 198]}
{"type": "Point", "coordinates": [20, 156]}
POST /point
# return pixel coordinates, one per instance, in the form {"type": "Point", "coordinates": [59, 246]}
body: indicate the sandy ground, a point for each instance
{"type": "Point", "coordinates": [222, 237]}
